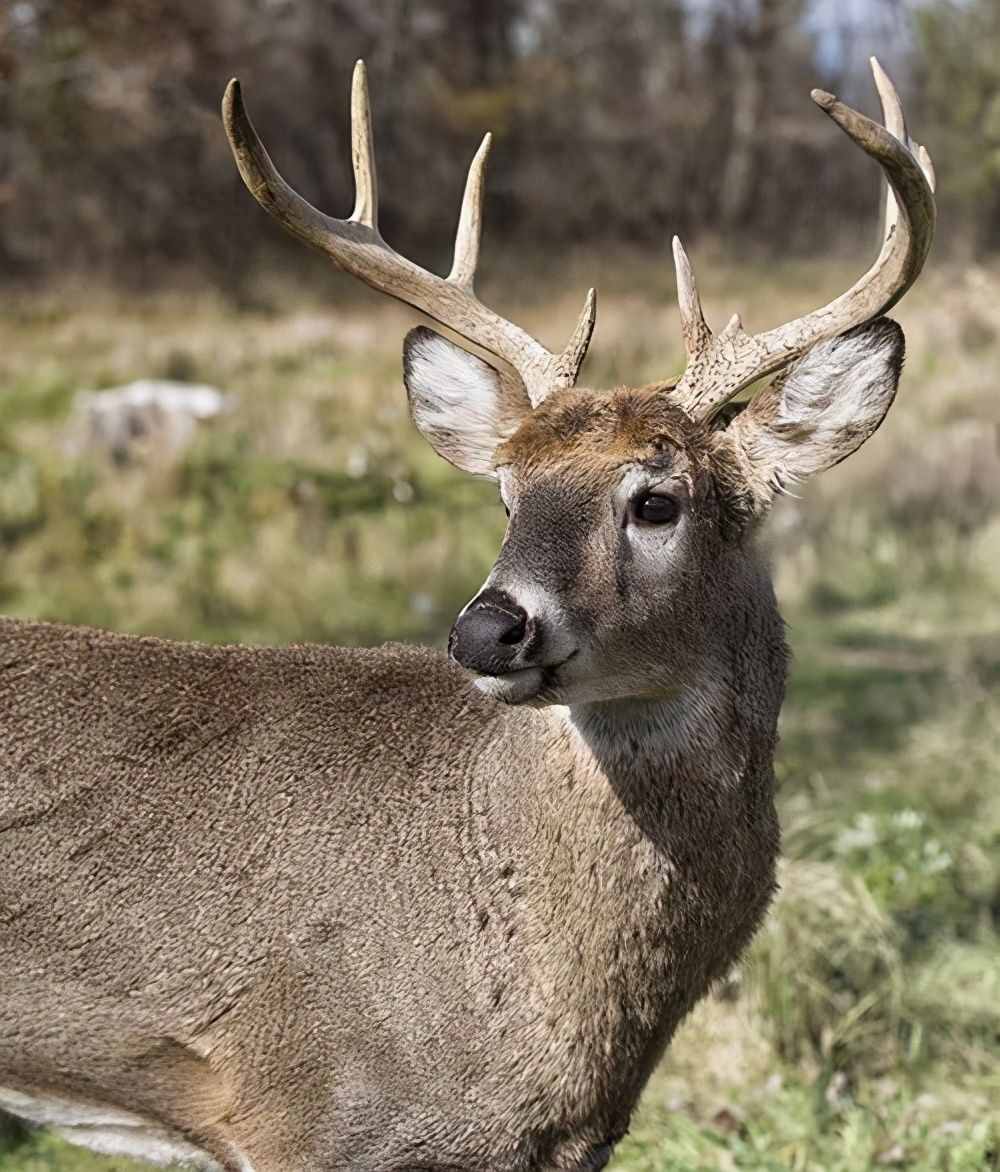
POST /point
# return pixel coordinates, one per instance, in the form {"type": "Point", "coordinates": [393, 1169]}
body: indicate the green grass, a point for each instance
{"type": "Point", "coordinates": [863, 1032]}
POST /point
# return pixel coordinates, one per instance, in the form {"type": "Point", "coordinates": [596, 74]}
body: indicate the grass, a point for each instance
{"type": "Point", "coordinates": [863, 1032]}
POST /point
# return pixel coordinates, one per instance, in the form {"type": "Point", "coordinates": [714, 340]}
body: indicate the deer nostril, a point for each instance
{"type": "Point", "coordinates": [488, 635]}
{"type": "Point", "coordinates": [504, 624]}
{"type": "Point", "coordinates": [518, 625]}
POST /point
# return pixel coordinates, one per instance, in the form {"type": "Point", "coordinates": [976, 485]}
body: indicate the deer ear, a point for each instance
{"type": "Point", "coordinates": [461, 405]}
{"type": "Point", "coordinates": [824, 407]}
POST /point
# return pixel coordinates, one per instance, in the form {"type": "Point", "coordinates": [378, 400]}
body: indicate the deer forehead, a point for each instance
{"type": "Point", "coordinates": [585, 436]}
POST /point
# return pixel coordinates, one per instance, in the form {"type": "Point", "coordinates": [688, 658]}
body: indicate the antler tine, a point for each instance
{"type": "Point", "coordinates": [261, 176]}
{"type": "Point", "coordinates": [470, 220]}
{"type": "Point", "coordinates": [363, 151]}
{"type": "Point", "coordinates": [735, 359]}
{"type": "Point", "coordinates": [895, 123]}
{"type": "Point", "coordinates": [892, 107]}
{"type": "Point", "coordinates": [356, 246]}
{"type": "Point", "coordinates": [569, 362]}
{"type": "Point", "coordinates": [463, 269]}
{"type": "Point", "coordinates": [927, 166]}
{"type": "Point", "coordinates": [694, 329]}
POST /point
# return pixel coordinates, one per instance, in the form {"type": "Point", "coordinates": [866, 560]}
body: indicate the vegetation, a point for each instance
{"type": "Point", "coordinates": [864, 1030]}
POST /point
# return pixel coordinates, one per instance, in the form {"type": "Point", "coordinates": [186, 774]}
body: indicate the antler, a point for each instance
{"type": "Point", "coordinates": [720, 367]}
{"type": "Point", "coordinates": [357, 247]}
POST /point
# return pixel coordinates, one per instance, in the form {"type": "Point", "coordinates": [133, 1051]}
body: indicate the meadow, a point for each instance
{"type": "Point", "coordinates": [863, 1031]}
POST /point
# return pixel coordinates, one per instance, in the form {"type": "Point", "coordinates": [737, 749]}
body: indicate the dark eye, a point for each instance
{"type": "Point", "coordinates": [653, 508]}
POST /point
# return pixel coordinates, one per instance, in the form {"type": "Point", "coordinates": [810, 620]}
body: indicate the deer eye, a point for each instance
{"type": "Point", "coordinates": [654, 508]}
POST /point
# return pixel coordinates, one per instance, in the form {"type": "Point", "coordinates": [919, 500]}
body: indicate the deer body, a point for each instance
{"type": "Point", "coordinates": [302, 909]}
{"type": "Point", "coordinates": [528, 919]}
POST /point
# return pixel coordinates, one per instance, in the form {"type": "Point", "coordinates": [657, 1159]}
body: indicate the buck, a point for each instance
{"type": "Point", "coordinates": [313, 908]}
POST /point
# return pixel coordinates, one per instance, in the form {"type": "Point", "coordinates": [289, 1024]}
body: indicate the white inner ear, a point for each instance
{"type": "Point", "coordinates": [455, 399]}
{"type": "Point", "coordinates": [835, 388]}
{"type": "Point", "coordinates": [826, 406]}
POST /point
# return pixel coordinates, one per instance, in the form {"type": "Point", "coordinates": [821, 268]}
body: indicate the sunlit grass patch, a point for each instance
{"type": "Point", "coordinates": [794, 1124]}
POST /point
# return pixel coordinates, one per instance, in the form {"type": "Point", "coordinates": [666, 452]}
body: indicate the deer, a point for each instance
{"type": "Point", "coordinates": [302, 908]}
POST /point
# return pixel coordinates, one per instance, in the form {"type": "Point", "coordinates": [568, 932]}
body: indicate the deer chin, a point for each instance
{"type": "Point", "coordinates": [513, 687]}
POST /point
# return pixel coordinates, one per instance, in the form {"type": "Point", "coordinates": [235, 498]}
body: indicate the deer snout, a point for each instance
{"type": "Point", "coordinates": [490, 634]}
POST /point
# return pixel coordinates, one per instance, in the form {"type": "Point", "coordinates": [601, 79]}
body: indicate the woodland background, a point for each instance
{"type": "Point", "coordinates": [863, 1032]}
{"type": "Point", "coordinates": [616, 123]}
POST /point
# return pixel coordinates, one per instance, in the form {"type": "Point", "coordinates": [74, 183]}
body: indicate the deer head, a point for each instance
{"type": "Point", "coordinates": [631, 510]}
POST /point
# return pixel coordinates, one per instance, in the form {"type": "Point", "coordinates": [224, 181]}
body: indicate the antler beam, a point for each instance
{"type": "Point", "coordinates": [719, 367]}
{"type": "Point", "coordinates": [357, 247]}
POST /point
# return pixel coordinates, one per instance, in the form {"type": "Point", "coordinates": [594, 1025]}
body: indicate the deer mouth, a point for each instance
{"type": "Point", "coordinates": [522, 685]}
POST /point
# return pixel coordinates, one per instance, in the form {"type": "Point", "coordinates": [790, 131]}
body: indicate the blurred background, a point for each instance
{"type": "Point", "coordinates": [258, 479]}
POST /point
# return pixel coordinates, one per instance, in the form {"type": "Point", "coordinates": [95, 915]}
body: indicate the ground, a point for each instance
{"type": "Point", "coordinates": [864, 1030]}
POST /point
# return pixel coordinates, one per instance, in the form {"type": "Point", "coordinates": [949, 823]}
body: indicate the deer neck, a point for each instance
{"type": "Point", "coordinates": [667, 786]}
{"type": "Point", "coordinates": [637, 743]}
{"type": "Point", "coordinates": [662, 840]}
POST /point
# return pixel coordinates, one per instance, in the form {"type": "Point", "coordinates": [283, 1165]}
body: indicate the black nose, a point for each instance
{"type": "Point", "coordinates": [488, 634]}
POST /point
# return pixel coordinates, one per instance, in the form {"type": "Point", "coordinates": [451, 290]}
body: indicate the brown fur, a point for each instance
{"type": "Point", "coordinates": [581, 433]}
{"type": "Point", "coordinates": [393, 949]}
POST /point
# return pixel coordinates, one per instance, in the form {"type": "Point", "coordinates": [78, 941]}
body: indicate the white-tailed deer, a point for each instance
{"type": "Point", "coordinates": [313, 908]}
